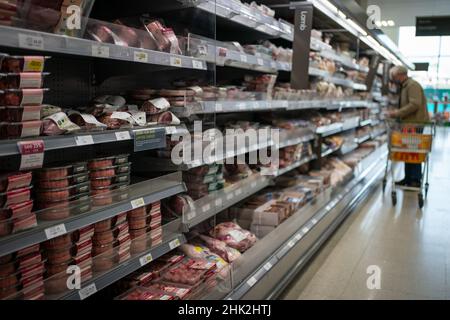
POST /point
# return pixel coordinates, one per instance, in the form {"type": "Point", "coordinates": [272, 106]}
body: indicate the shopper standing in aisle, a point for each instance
{"type": "Point", "coordinates": [412, 108]}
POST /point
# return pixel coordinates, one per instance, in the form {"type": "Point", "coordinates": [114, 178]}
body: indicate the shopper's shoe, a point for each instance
{"type": "Point", "coordinates": [402, 183]}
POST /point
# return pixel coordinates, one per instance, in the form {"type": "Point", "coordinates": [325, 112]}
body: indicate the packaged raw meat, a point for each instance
{"type": "Point", "coordinates": [58, 242]}
{"type": "Point", "coordinates": [20, 114]}
{"type": "Point", "coordinates": [155, 106]}
{"type": "Point", "coordinates": [25, 80]}
{"type": "Point", "coordinates": [180, 204]}
{"type": "Point", "coordinates": [62, 182]}
{"type": "Point", "coordinates": [22, 97]}
{"type": "Point", "coordinates": [10, 181]}
{"type": "Point", "coordinates": [18, 64]}
{"type": "Point", "coordinates": [104, 34]}
{"type": "Point", "coordinates": [166, 117]}
{"type": "Point", "coordinates": [100, 163]}
{"type": "Point", "coordinates": [16, 130]}
{"type": "Point", "coordinates": [103, 262]}
{"type": "Point", "coordinates": [190, 271]}
{"type": "Point", "coordinates": [62, 194]}
{"type": "Point", "coordinates": [15, 196]}
{"type": "Point", "coordinates": [233, 235]}
{"type": "Point", "coordinates": [219, 247]}
{"type": "Point", "coordinates": [140, 293]}
{"type": "Point", "coordinates": [57, 124]}
{"type": "Point", "coordinates": [59, 255]}
{"type": "Point", "coordinates": [83, 234]}
{"type": "Point", "coordinates": [106, 249]}
{"type": "Point", "coordinates": [86, 121]}
{"type": "Point", "coordinates": [178, 290]}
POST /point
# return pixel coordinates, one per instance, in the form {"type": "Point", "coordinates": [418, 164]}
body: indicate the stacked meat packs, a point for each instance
{"type": "Point", "coordinates": [16, 204]}
{"type": "Point", "coordinates": [263, 213]}
{"type": "Point", "coordinates": [22, 271]}
{"type": "Point", "coordinates": [68, 250]}
{"type": "Point", "coordinates": [202, 180]}
{"type": "Point", "coordinates": [233, 235]}
{"type": "Point", "coordinates": [21, 95]}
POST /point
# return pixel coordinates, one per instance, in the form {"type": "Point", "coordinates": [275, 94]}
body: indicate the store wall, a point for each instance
{"type": "Point", "coordinates": [404, 12]}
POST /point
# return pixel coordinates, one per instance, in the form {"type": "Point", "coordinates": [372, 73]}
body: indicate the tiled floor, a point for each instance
{"type": "Point", "coordinates": [410, 247]}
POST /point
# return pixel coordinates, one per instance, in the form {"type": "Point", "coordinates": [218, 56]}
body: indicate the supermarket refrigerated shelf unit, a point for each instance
{"type": "Point", "coordinates": [139, 194]}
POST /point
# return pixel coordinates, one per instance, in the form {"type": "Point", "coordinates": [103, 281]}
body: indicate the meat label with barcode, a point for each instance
{"type": "Point", "coordinates": [87, 291]}
{"type": "Point", "coordinates": [124, 135]}
{"type": "Point", "coordinates": [31, 42]}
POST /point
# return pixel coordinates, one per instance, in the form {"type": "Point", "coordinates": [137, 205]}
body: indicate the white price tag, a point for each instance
{"type": "Point", "coordinates": [291, 244]}
{"type": "Point", "coordinates": [87, 291]}
{"type": "Point", "coordinates": [241, 105]}
{"type": "Point", "coordinates": [84, 140]}
{"type": "Point", "coordinates": [31, 42]}
{"type": "Point", "coordinates": [251, 282]}
{"type": "Point", "coordinates": [268, 266]}
{"type": "Point", "coordinates": [230, 196]}
{"type": "Point", "coordinates": [124, 135]}
{"type": "Point", "coordinates": [314, 221]}
{"type": "Point", "coordinates": [244, 58]}
{"type": "Point", "coordinates": [171, 130]}
{"type": "Point", "coordinates": [55, 231]}
{"type": "Point", "coordinates": [145, 259]}
{"type": "Point", "coordinates": [260, 61]}
{"type": "Point", "coordinates": [196, 64]}
{"type": "Point", "coordinates": [305, 230]}
{"type": "Point", "coordinates": [190, 215]}
{"type": "Point", "coordinates": [274, 65]}
{"type": "Point", "coordinates": [218, 202]}
{"type": "Point", "coordinates": [100, 51]}
{"type": "Point", "coordinates": [238, 192]}
{"type": "Point", "coordinates": [140, 56]}
{"type": "Point", "coordinates": [298, 236]}
{"type": "Point", "coordinates": [32, 154]}
{"type": "Point", "coordinates": [175, 62]}
{"type": "Point", "coordinates": [219, 107]}
{"type": "Point", "coordinates": [137, 203]}
{"type": "Point", "coordinates": [174, 244]}
{"type": "Point", "coordinates": [253, 184]}
{"type": "Point", "coordinates": [206, 207]}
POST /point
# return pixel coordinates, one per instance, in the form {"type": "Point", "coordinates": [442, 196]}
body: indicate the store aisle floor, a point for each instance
{"type": "Point", "coordinates": [411, 247]}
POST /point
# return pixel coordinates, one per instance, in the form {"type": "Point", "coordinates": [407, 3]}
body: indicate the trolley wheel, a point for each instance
{"type": "Point", "coordinates": [394, 198]}
{"type": "Point", "coordinates": [421, 202]}
{"type": "Point", "coordinates": [384, 185]}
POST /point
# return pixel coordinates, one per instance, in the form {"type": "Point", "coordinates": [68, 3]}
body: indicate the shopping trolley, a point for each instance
{"type": "Point", "coordinates": [409, 143]}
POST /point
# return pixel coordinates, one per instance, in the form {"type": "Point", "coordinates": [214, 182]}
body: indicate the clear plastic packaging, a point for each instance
{"type": "Point", "coordinates": [15, 130]}
{"type": "Point", "coordinates": [63, 182]}
{"type": "Point", "coordinates": [20, 114]}
{"type": "Point", "coordinates": [17, 64]}
{"type": "Point", "coordinates": [62, 194]}
{"type": "Point", "coordinates": [15, 196]}
{"type": "Point", "coordinates": [16, 218]}
{"type": "Point", "coordinates": [22, 97]}
{"type": "Point", "coordinates": [12, 181]}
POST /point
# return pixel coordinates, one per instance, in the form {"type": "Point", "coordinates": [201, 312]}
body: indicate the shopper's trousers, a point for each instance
{"type": "Point", "coordinates": [413, 172]}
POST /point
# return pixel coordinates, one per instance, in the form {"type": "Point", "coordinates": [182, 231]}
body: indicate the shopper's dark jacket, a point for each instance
{"type": "Point", "coordinates": [413, 103]}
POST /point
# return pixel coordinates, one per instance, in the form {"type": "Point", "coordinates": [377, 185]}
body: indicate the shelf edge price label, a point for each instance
{"type": "Point", "coordinates": [230, 196]}
{"type": "Point", "coordinates": [31, 42]}
{"type": "Point", "coordinates": [274, 65]}
{"type": "Point", "coordinates": [268, 266]}
{"type": "Point", "coordinates": [305, 230]}
{"type": "Point", "coordinates": [218, 202]}
{"type": "Point", "coordinates": [87, 291]}
{"type": "Point", "coordinates": [145, 259]}
{"type": "Point", "coordinates": [31, 154]}
{"type": "Point", "coordinates": [174, 244]}
{"type": "Point", "coordinates": [243, 58]}
{"type": "Point", "coordinates": [140, 56]}
{"type": "Point", "coordinates": [219, 107]}
{"type": "Point", "coordinates": [100, 51]}
{"type": "Point", "coordinates": [137, 203]}
{"type": "Point", "coordinates": [238, 192]}
{"type": "Point", "coordinates": [291, 244]}
{"type": "Point", "coordinates": [206, 207]}
{"type": "Point", "coordinates": [84, 140]}
{"type": "Point", "coordinates": [298, 236]}
{"type": "Point", "coordinates": [196, 64]}
{"type": "Point", "coordinates": [55, 231]}
{"type": "Point", "coordinates": [124, 135]}
{"type": "Point", "coordinates": [260, 61]}
{"type": "Point", "coordinates": [251, 282]}
{"type": "Point", "coordinates": [175, 62]}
